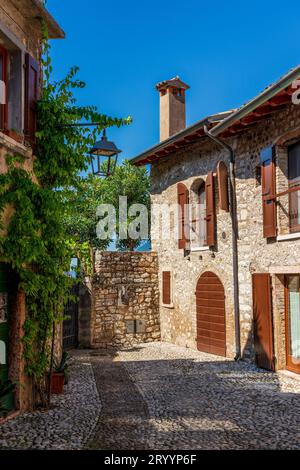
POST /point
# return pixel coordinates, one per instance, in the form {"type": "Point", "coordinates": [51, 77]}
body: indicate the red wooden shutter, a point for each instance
{"type": "Point", "coordinates": [183, 219]}
{"type": "Point", "coordinates": [32, 90]}
{"type": "Point", "coordinates": [262, 317]}
{"type": "Point", "coordinates": [210, 209]}
{"type": "Point", "coordinates": [222, 174]}
{"type": "Point", "coordinates": [166, 287]}
{"type": "Point", "coordinates": [268, 173]}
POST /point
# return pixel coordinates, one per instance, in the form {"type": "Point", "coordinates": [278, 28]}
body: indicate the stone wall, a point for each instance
{"type": "Point", "coordinates": [178, 324]}
{"type": "Point", "coordinates": [125, 289]}
{"type": "Point", "coordinates": [256, 254]}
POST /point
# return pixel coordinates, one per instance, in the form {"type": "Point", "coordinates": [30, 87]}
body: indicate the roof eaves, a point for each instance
{"type": "Point", "coordinates": [55, 31]}
{"type": "Point", "coordinates": [35, 9]}
{"type": "Point", "coordinates": [180, 135]}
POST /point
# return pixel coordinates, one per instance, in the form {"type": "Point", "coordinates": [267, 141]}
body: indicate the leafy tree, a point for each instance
{"type": "Point", "coordinates": [80, 220]}
{"type": "Point", "coordinates": [134, 183]}
{"type": "Point", "coordinates": [82, 203]}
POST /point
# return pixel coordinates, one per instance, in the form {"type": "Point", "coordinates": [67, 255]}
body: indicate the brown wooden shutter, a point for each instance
{"type": "Point", "coordinates": [166, 287]}
{"type": "Point", "coordinates": [262, 317]}
{"type": "Point", "coordinates": [32, 90]}
{"type": "Point", "coordinates": [183, 219]}
{"type": "Point", "coordinates": [210, 209]}
{"type": "Point", "coordinates": [222, 174]}
{"type": "Point", "coordinates": [268, 181]}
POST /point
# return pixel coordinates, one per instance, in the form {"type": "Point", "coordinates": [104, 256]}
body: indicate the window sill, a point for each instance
{"type": "Point", "coordinates": [200, 248]}
{"type": "Point", "coordinates": [290, 374]}
{"type": "Point", "coordinates": [14, 145]}
{"type": "Point", "coordinates": [170, 306]}
{"type": "Point", "coordinates": [288, 236]}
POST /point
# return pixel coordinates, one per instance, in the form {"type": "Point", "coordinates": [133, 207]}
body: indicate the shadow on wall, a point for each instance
{"type": "Point", "coordinates": [247, 347]}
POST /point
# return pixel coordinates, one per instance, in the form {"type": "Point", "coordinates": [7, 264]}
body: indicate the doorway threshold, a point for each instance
{"type": "Point", "coordinates": [289, 373]}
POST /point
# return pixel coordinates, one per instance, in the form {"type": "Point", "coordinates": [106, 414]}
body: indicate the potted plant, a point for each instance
{"type": "Point", "coordinates": [6, 389]}
{"type": "Point", "coordinates": [59, 376]}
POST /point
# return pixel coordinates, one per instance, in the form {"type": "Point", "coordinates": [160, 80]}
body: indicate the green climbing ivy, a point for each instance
{"type": "Point", "coordinates": [35, 242]}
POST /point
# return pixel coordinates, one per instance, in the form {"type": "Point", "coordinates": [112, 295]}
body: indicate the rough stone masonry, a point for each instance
{"type": "Point", "coordinates": [125, 299]}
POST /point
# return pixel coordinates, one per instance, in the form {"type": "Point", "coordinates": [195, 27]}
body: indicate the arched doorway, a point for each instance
{"type": "Point", "coordinates": [211, 323]}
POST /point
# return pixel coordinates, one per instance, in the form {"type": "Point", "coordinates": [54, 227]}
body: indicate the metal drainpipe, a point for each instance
{"type": "Point", "coordinates": [233, 211]}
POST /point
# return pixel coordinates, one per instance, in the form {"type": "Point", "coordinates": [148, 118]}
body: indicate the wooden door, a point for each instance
{"type": "Point", "coordinates": [7, 401]}
{"type": "Point", "coordinates": [262, 318]}
{"type": "Point", "coordinates": [70, 325]}
{"type": "Point", "coordinates": [292, 323]}
{"type": "Point", "coordinates": [211, 324]}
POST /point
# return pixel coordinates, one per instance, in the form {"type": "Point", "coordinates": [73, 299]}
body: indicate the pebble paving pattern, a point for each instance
{"type": "Point", "coordinates": [159, 396]}
{"type": "Point", "coordinates": [199, 401]}
{"type": "Point", "coordinates": [124, 420]}
{"type": "Point", "coordinates": [69, 422]}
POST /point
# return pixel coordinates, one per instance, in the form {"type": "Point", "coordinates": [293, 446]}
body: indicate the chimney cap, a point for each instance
{"type": "Point", "coordinates": [173, 82]}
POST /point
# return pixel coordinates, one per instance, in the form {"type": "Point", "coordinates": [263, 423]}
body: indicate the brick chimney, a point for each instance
{"type": "Point", "coordinates": [172, 106]}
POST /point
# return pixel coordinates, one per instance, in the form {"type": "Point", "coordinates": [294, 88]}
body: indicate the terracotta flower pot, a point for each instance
{"type": "Point", "coordinates": [57, 383]}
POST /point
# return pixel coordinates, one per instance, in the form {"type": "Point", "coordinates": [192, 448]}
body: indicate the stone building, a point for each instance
{"type": "Point", "coordinates": [20, 49]}
{"type": "Point", "coordinates": [230, 279]}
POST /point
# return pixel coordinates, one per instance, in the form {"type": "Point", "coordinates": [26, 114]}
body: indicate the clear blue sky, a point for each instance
{"type": "Point", "coordinates": [226, 51]}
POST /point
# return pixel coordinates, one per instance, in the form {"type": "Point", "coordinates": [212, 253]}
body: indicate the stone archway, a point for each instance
{"type": "Point", "coordinates": [211, 322]}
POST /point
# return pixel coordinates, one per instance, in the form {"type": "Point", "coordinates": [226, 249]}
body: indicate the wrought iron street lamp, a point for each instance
{"type": "Point", "coordinates": [104, 157]}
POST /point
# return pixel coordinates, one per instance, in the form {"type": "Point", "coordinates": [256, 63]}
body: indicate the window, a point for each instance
{"type": "Point", "coordinates": [11, 92]}
{"type": "Point", "coordinates": [167, 289]}
{"type": "Point", "coordinates": [135, 327]}
{"type": "Point", "coordinates": [292, 300]}
{"type": "Point", "coordinates": [3, 85]}
{"type": "Point", "coordinates": [202, 215]}
{"type": "Point", "coordinates": [294, 181]}
{"type": "Point", "coordinates": [197, 215]}
{"type": "Point", "coordinates": [198, 224]}
{"type": "Point", "coordinates": [19, 91]}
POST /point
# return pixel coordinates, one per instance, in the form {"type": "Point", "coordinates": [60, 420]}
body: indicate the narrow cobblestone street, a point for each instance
{"type": "Point", "coordinates": [162, 397]}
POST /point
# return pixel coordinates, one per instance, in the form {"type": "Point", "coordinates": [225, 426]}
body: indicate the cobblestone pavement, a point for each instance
{"type": "Point", "coordinates": [69, 422]}
{"type": "Point", "coordinates": [199, 401]}
{"type": "Point", "coordinates": [159, 396]}
{"type": "Point", "coordinates": [124, 420]}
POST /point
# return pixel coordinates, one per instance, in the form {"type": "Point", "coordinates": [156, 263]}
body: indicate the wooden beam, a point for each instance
{"type": "Point", "coordinates": [181, 143]}
{"type": "Point", "coordinates": [280, 100]}
{"type": "Point", "coordinates": [161, 153]}
{"type": "Point", "coordinates": [265, 109]}
{"type": "Point", "coordinates": [239, 126]}
{"type": "Point", "coordinates": [172, 147]}
{"type": "Point", "coordinates": [191, 138]}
